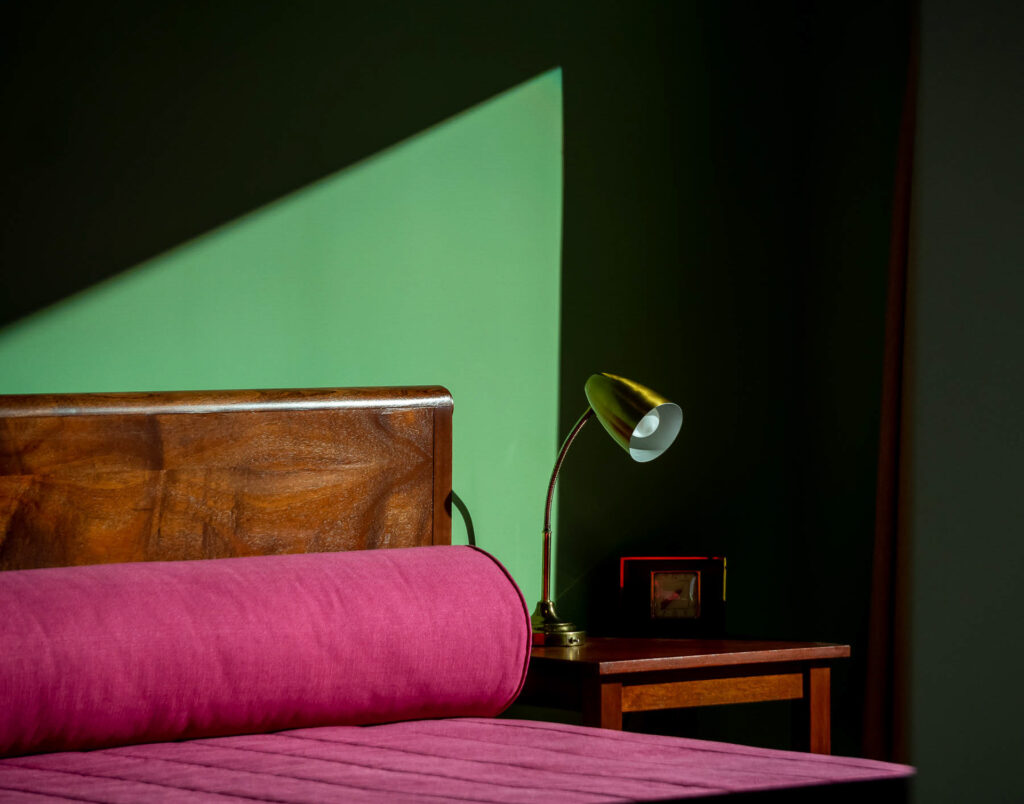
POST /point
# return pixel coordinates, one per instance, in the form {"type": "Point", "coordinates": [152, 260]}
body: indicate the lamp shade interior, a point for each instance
{"type": "Point", "coordinates": [655, 432]}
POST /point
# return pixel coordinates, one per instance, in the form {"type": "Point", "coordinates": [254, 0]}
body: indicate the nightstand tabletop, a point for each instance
{"type": "Point", "coordinates": [609, 655]}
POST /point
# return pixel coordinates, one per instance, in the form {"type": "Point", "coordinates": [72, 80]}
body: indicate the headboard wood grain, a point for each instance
{"type": "Point", "coordinates": [102, 478]}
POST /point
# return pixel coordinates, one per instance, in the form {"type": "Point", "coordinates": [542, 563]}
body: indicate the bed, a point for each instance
{"type": "Point", "coordinates": [252, 595]}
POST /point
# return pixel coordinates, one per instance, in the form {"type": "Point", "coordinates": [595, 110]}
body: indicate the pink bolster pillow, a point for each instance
{"type": "Point", "coordinates": [126, 653]}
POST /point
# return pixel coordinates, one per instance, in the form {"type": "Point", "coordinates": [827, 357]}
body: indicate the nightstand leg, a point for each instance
{"type": "Point", "coordinates": [602, 705]}
{"type": "Point", "coordinates": [818, 692]}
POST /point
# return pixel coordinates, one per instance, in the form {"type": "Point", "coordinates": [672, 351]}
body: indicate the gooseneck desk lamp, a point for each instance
{"type": "Point", "coordinates": [644, 424]}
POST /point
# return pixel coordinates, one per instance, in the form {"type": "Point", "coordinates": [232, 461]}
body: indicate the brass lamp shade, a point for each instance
{"type": "Point", "coordinates": [642, 422]}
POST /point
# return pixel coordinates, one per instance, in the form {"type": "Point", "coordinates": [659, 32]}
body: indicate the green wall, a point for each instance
{"type": "Point", "coordinates": [433, 262]}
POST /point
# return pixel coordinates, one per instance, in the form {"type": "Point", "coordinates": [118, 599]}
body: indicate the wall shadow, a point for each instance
{"type": "Point", "coordinates": [133, 127]}
{"type": "Point", "coordinates": [726, 241]}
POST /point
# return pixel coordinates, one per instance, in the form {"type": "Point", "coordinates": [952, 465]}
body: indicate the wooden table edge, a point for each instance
{"type": "Point", "coordinates": [803, 654]}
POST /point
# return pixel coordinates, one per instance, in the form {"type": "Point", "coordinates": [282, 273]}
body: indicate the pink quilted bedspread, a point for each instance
{"type": "Point", "coordinates": [462, 759]}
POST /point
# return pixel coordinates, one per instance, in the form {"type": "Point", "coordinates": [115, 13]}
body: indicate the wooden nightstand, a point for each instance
{"type": "Point", "coordinates": [607, 677]}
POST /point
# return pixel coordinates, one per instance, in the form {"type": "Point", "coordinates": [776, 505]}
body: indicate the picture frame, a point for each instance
{"type": "Point", "coordinates": [672, 596]}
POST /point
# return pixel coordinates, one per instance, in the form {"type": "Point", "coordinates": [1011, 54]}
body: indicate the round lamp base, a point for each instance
{"type": "Point", "coordinates": [560, 639]}
{"type": "Point", "coordinates": [550, 631]}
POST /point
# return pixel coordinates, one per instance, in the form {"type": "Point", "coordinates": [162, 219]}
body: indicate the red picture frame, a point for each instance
{"type": "Point", "coordinates": [672, 596]}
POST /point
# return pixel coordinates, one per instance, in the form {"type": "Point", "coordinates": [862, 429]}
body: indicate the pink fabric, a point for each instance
{"type": "Point", "coordinates": [436, 760]}
{"type": "Point", "coordinates": [126, 653]}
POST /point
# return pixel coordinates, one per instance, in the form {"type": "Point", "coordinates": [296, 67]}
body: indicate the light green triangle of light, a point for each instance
{"type": "Point", "coordinates": [436, 261]}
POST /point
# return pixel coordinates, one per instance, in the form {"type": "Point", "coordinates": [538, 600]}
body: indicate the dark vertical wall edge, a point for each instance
{"type": "Point", "coordinates": [885, 711]}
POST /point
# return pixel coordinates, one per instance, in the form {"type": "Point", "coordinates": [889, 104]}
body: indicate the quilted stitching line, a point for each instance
{"type": "Point", "coordinates": [48, 795]}
{"type": "Point", "coordinates": [340, 785]}
{"type": "Point", "coordinates": [151, 784]}
{"type": "Point", "coordinates": [584, 774]}
{"type": "Point", "coordinates": [503, 785]}
{"type": "Point", "coordinates": [786, 775]}
{"type": "Point", "coordinates": [813, 759]}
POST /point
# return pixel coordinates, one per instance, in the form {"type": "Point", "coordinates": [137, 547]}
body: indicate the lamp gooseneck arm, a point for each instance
{"type": "Point", "coordinates": [546, 586]}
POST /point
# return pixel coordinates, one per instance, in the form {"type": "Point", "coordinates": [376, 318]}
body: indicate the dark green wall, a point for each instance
{"type": "Point", "coordinates": [726, 242]}
{"type": "Point", "coordinates": [728, 171]}
{"type": "Point", "coordinates": [966, 438]}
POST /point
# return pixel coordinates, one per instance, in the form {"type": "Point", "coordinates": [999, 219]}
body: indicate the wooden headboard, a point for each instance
{"type": "Point", "coordinates": [102, 478]}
